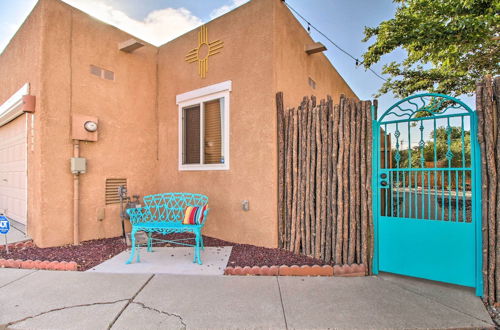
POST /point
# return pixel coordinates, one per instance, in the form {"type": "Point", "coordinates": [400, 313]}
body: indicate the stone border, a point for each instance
{"type": "Point", "coordinates": [316, 270]}
{"type": "Point", "coordinates": [19, 245]}
{"type": "Point", "coordinates": [37, 264]}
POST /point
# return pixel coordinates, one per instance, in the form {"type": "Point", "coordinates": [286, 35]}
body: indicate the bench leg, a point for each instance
{"type": "Point", "coordinates": [198, 240]}
{"type": "Point", "coordinates": [150, 242]}
{"type": "Point", "coordinates": [202, 245]}
{"type": "Point", "coordinates": [132, 251]}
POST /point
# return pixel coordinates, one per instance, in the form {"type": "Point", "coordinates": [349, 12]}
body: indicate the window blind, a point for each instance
{"type": "Point", "coordinates": [213, 132]}
{"type": "Point", "coordinates": [192, 135]}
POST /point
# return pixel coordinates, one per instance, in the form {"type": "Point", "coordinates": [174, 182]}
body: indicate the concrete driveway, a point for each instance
{"type": "Point", "coordinates": [75, 300]}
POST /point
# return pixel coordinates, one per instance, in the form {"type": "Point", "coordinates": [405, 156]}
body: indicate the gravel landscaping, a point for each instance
{"type": "Point", "coordinates": [91, 253]}
{"type": "Point", "coordinates": [87, 255]}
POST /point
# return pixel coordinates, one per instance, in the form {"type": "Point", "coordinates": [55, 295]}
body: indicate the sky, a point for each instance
{"type": "Point", "coordinates": [158, 21]}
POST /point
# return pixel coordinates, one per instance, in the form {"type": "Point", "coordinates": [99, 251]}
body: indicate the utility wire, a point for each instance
{"type": "Point", "coordinates": [309, 26]}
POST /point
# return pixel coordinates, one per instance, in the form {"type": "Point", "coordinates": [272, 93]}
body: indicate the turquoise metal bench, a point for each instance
{"type": "Point", "coordinates": [164, 213]}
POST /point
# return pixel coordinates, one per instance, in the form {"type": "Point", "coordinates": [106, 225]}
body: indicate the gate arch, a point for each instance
{"type": "Point", "coordinates": [427, 190]}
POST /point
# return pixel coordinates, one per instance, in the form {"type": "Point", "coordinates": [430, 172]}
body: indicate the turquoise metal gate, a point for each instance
{"type": "Point", "coordinates": [427, 191]}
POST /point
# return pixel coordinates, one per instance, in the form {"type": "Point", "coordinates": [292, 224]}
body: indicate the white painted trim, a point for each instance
{"type": "Point", "coordinates": [216, 91]}
{"type": "Point", "coordinates": [12, 108]}
{"type": "Point", "coordinates": [204, 91]}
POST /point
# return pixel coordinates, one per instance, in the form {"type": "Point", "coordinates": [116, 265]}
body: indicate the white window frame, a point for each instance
{"type": "Point", "coordinates": [199, 96]}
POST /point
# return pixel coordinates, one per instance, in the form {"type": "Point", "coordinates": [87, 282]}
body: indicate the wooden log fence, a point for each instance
{"type": "Point", "coordinates": [488, 113]}
{"type": "Point", "coordinates": [324, 170]}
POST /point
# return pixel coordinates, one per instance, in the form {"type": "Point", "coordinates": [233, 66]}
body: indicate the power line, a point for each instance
{"type": "Point", "coordinates": [309, 26]}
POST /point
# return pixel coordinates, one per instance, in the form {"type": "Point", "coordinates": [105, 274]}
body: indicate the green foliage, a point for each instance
{"type": "Point", "coordinates": [450, 44]}
{"type": "Point", "coordinates": [441, 149]}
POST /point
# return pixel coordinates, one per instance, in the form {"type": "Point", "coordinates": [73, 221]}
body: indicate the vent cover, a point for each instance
{"type": "Point", "coordinates": [112, 196]}
{"type": "Point", "coordinates": [96, 71]}
{"type": "Point", "coordinates": [312, 83]}
{"type": "Point", "coordinates": [102, 73]}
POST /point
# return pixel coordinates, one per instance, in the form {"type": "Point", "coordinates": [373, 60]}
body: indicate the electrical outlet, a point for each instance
{"type": "Point", "coordinates": [245, 205]}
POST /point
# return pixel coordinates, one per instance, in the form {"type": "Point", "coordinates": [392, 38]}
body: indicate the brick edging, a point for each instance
{"type": "Point", "coordinates": [316, 270]}
{"type": "Point", "coordinates": [19, 245]}
{"type": "Point", "coordinates": [36, 264]}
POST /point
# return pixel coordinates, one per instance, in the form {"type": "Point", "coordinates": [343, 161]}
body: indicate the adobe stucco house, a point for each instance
{"type": "Point", "coordinates": [149, 104]}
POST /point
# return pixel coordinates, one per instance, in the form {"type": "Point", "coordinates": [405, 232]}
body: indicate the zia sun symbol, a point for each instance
{"type": "Point", "coordinates": [203, 51]}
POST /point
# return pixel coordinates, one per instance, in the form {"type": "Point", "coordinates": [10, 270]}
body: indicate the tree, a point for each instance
{"type": "Point", "coordinates": [450, 44]}
{"type": "Point", "coordinates": [441, 150]}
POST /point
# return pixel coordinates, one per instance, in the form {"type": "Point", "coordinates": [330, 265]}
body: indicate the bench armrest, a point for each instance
{"type": "Point", "coordinates": [205, 216]}
{"type": "Point", "coordinates": [139, 215]}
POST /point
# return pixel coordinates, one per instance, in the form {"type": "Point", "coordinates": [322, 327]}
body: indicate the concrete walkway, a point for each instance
{"type": "Point", "coordinates": [75, 300]}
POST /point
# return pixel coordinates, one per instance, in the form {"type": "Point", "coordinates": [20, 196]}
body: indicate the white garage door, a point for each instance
{"type": "Point", "coordinates": [13, 169]}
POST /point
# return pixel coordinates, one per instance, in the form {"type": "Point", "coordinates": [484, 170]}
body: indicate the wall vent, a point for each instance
{"type": "Point", "coordinates": [312, 83]}
{"type": "Point", "coordinates": [109, 75]}
{"type": "Point", "coordinates": [112, 196]}
{"type": "Point", "coordinates": [96, 71]}
{"type": "Point", "coordinates": [102, 73]}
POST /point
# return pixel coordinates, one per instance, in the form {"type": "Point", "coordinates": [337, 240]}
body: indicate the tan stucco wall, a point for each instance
{"type": "Point", "coordinates": [294, 66]}
{"type": "Point", "coordinates": [19, 64]}
{"type": "Point", "coordinates": [126, 109]}
{"type": "Point", "coordinates": [138, 115]}
{"type": "Point", "coordinates": [246, 60]}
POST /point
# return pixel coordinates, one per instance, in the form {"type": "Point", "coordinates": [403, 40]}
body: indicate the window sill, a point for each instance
{"type": "Point", "coordinates": [213, 167]}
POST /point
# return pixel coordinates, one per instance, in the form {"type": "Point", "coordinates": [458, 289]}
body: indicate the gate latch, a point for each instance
{"type": "Point", "coordinates": [384, 180]}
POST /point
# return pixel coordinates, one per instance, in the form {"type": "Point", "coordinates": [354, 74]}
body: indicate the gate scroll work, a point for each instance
{"type": "Point", "coordinates": [427, 190]}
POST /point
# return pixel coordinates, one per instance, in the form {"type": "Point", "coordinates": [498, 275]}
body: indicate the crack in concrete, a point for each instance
{"type": "Point", "coordinates": [184, 325]}
{"type": "Point", "coordinates": [130, 301]}
{"type": "Point", "coordinates": [282, 304]}
{"type": "Point", "coordinates": [432, 299]}
{"type": "Point", "coordinates": [60, 309]}
{"type": "Point", "coordinates": [17, 279]}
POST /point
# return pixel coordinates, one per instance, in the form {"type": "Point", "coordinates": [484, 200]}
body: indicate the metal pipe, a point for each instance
{"type": "Point", "coordinates": [76, 197]}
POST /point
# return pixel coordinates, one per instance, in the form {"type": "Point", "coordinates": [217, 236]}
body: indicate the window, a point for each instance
{"type": "Point", "coordinates": [204, 128]}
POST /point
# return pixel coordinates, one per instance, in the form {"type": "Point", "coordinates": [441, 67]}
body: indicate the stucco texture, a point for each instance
{"type": "Point", "coordinates": [246, 60]}
{"type": "Point", "coordinates": [20, 62]}
{"type": "Point", "coordinates": [263, 53]}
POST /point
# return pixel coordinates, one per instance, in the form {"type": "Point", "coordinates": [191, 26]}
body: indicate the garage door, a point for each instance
{"type": "Point", "coordinates": [13, 169]}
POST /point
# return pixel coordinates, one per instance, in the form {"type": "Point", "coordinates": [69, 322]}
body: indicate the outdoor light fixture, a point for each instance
{"type": "Point", "coordinates": [90, 126]}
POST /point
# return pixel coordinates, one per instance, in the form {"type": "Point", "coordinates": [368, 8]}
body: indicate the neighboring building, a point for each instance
{"type": "Point", "coordinates": [149, 104]}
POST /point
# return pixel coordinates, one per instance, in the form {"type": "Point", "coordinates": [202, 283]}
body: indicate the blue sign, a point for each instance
{"type": "Point", "coordinates": [4, 225]}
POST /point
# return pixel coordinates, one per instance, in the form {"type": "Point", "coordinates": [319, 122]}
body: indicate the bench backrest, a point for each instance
{"type": "Point", "coordinates": [171, 206]}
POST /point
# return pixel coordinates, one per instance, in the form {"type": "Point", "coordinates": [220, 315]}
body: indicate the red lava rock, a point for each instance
{"type": "Point", "coordinates": [88, 254]}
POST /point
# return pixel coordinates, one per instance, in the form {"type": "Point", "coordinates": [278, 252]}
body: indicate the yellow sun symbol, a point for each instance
{"type": "Point", "coordinates": [204, 50]}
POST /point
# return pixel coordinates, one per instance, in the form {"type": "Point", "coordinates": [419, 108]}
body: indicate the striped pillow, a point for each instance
{"type": "Point", "coordinates": [194, 215]}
